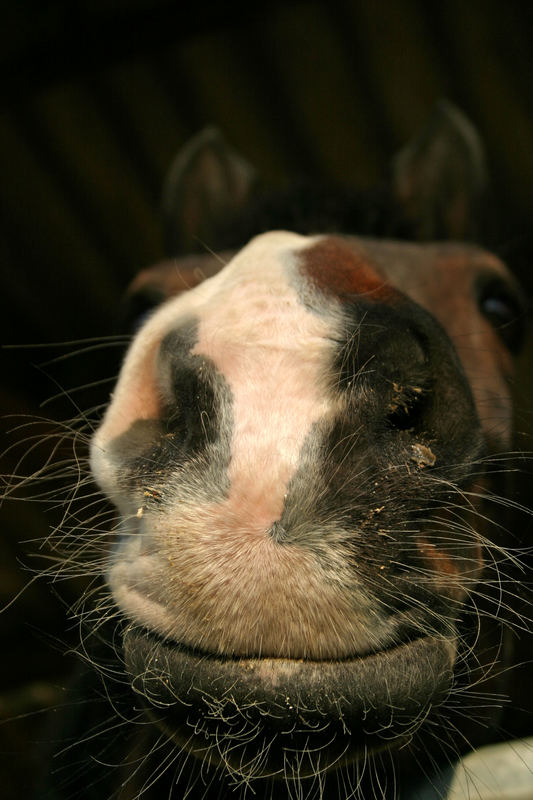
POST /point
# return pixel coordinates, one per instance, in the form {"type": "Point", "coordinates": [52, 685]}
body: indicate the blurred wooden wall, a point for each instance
{"type": "Point", "coordinates": [97, 96]}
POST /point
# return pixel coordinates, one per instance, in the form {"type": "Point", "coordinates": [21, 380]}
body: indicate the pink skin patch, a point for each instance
{"type": "Point", "coordinates": [274, 355]}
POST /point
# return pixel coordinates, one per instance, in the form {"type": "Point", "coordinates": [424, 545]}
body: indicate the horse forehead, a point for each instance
{"type": "Point", "coordinates": [278, 270]}
{"type": "Point", "coordinates": [333, 264]}
{"type": "Point", "coordinates": [263, 305]}
{"type": "Point", "coordinates": [343, 268]}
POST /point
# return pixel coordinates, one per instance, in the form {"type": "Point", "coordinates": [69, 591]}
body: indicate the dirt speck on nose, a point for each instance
{"type": "Point", "coordinates": [422, 455]}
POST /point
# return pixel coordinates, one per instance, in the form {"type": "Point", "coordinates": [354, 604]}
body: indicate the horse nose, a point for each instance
{"type": "Point", "coordinates": [402, 379]}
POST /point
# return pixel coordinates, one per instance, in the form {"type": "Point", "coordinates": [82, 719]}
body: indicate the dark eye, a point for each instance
{"type": "Point", "coordinates": [138, 307]}
{"type": "Point", "coordinates": [505, 309]}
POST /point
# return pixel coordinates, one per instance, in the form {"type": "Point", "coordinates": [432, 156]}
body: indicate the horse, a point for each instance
{"type": "Point", "coordinates": [309, 591]}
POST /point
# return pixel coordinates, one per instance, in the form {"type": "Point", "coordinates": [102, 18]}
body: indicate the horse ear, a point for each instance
{"type": "Point", "coordinates": [440, 177]}
{"type": "Point", "coordinates": [207, 186]}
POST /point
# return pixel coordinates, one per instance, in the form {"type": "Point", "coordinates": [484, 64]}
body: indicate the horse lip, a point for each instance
{"type": "Point", "coordinates": [363, 704]}
{"type": "Point", "coordinates": [154, 654]}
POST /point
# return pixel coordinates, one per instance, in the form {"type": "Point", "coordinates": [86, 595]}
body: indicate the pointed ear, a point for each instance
{"type": "Point", "coordinates": [440, 178]}
{"type": "Point", "coordinates": [207, 186]}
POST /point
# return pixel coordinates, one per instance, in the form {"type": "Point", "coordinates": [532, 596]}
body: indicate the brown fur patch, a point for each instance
{"type": "Point", "coordinates": [336, 268]}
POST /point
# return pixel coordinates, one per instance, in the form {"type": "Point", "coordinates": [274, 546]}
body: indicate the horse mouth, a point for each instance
{"type": "Point", "coordinates": [288, 717]}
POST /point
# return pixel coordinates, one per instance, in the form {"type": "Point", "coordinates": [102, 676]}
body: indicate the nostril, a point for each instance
{"type": "Point", "coordinates": [406, 407]}
{"type": "Point", "coordinates": [403, 373]}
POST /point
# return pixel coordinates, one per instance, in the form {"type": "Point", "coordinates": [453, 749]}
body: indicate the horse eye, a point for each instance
{"type": "Point", "coordinates": [505, 310]}
{"type": "Point", "coordinates": [138, 307]}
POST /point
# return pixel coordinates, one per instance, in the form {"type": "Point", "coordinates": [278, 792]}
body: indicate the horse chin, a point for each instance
{"type": "Point", "coordinates": [288, 718]}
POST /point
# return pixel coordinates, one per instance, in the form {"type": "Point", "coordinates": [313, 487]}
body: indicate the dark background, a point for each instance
{"type": "Point", "coordinates": [96, 99]}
